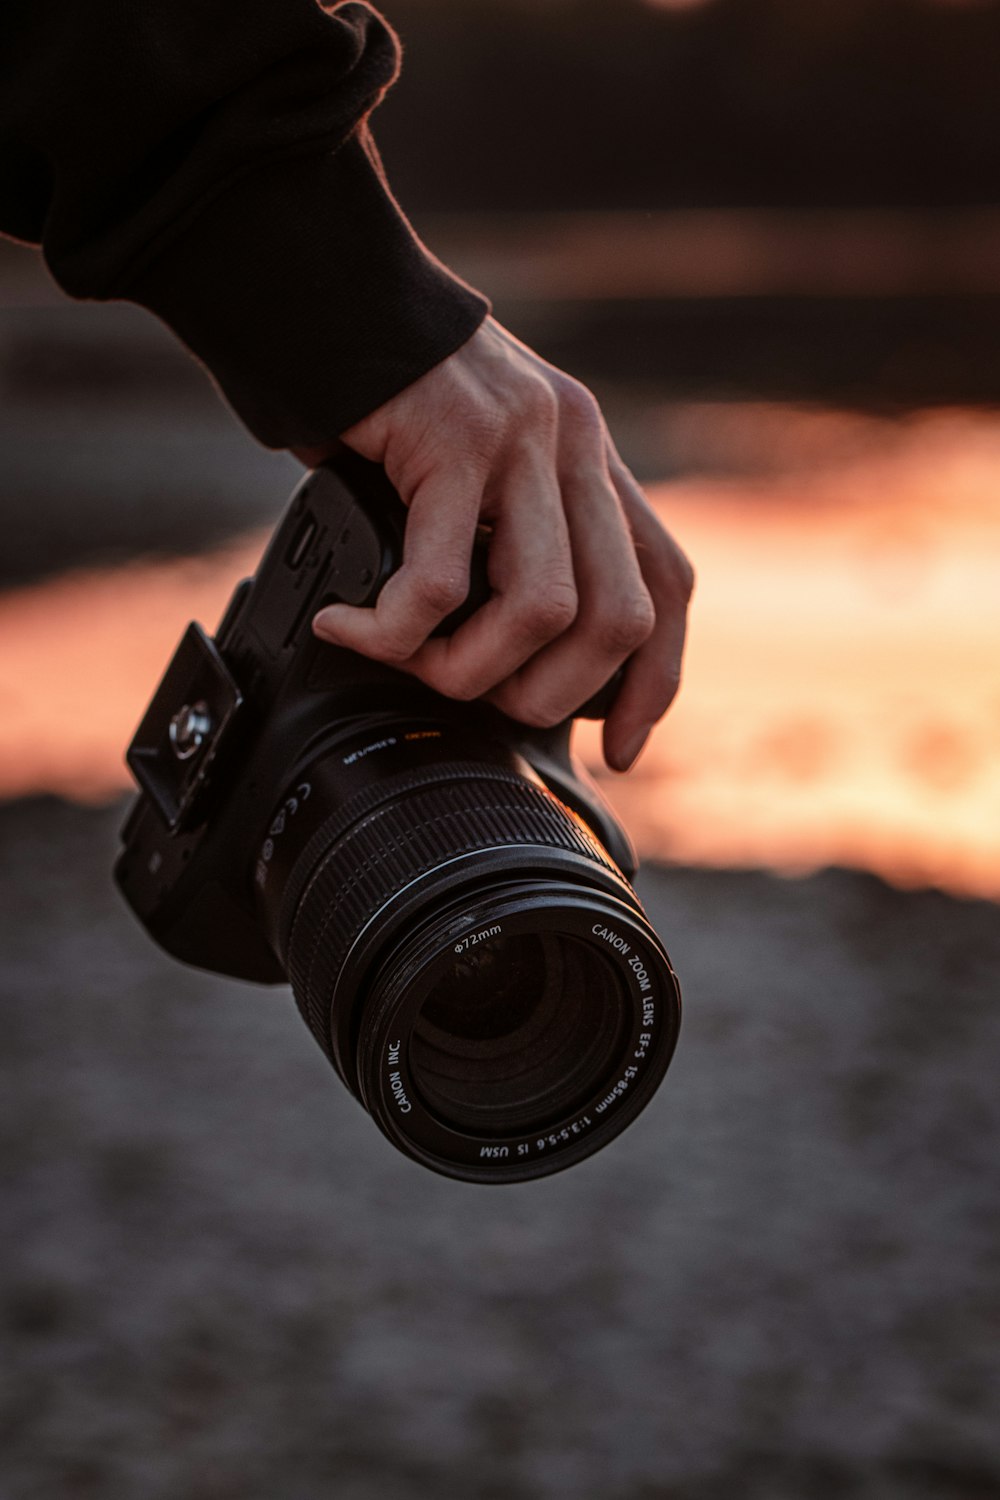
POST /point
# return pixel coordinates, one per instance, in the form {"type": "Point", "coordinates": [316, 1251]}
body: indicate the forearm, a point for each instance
{"type": "Point", "coordinates": [209, 159]}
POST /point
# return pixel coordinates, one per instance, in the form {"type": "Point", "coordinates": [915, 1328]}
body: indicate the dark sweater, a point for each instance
{"type": "Point", "coordinates": [211, 160]}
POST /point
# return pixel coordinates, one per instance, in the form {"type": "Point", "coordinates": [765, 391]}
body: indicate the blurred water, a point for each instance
{"type": "Point", "coordinates": [843, 693]}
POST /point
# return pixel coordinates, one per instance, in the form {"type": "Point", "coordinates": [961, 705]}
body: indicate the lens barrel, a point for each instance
{"type": "Point", "coordinates": [471, 960]}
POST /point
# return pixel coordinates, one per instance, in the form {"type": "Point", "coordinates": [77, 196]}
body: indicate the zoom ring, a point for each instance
{"type": "Point", "coordinates": [386, 790]}
{"type": "Point", "coordinates": [396, 844]}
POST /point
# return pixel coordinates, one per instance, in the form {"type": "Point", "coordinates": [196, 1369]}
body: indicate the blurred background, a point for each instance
{"type": "Point", "coordinates": [767, 233]}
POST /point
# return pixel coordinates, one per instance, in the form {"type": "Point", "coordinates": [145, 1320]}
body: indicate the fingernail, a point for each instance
{"type": "Point", "coordinates": [325, 623]}
{"type": "Point", "coordinates": [632, 749]}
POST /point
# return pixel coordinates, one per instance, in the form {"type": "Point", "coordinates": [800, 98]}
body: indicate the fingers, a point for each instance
{"type": "Point", "coordinates": [615, 614]}
{"type": "Point", "coordinates": [583, 576]}
{"type": "Point", "coordinates": [633, 586]}
{"type": "Point", "coordinates": [533, 598]}
{"type": "Point", "coordinates": [531, 576]}
{"type": "Point", "coordinates": [653, 674]}
{"type": "Point", "coordinates": [432, 581]}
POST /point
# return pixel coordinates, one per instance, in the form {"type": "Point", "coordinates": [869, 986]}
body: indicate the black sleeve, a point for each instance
{"type": "Point", "coordinates": [211, 160]}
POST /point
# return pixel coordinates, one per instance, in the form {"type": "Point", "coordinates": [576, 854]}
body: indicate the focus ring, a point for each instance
{"type": "Point", "coordinates": [398, 842]}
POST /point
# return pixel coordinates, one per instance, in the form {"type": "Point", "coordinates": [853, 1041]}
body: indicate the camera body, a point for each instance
{"type": "Point", "coordinates": [269, 691]}
{"type": "Point", "coordinates": [445, 888]}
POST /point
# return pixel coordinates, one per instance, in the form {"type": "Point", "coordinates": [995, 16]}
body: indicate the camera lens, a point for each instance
{"type": "Point", "coordinates": [517, 1033]}
{"type": "Point", "coordinates": [476, 967]}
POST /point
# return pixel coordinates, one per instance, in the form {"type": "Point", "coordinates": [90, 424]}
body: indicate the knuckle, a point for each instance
{"type": "Point", "coordinates": [686, 574]}
{"type": "Point", "coordinates": [676, 569]}
{"type": "Point", "coordinates": [439, 593]}
{"type": "Point", "coordinates": [628, 628]}
{"type": "Point", "coordinates": [536, 403]}
{"type": "Point", "coordinates": [550, 611]}
{"type": "Point", "coordinates": [582, 406]}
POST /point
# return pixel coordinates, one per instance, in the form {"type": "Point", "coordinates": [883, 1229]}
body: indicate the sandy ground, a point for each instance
{"type": "Point", "coordinates": [220, 1283]}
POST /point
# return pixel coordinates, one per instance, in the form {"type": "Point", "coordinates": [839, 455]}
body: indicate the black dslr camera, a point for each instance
{"type": "Point", "coordinates": [444, 889]}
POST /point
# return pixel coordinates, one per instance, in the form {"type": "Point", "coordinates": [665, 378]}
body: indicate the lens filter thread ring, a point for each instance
{"type": "Point", "coordinates": [390, 1082]}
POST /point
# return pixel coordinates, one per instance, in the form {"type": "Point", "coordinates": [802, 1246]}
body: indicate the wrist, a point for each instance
{"type": "Point", "coordinates": [308, 296]}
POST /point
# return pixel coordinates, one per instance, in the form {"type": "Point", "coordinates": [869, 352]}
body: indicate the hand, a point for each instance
{"type": "Point", "coordinates": [583, 576]}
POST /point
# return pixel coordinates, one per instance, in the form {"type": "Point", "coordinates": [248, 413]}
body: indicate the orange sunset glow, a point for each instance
{"type": "Point", "coordinates": [842, 701]}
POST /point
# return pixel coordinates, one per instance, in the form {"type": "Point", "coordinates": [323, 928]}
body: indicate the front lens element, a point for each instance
{"type": "Point", "coordinates": [519, 1032]}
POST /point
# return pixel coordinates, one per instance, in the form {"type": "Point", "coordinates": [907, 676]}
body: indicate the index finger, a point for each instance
{"type": "Point", "coordinates": [432, 581]}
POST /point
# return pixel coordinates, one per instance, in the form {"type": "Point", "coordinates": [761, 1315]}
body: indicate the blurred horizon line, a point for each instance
{"type": "Point", "coordinates": [626, 254]}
